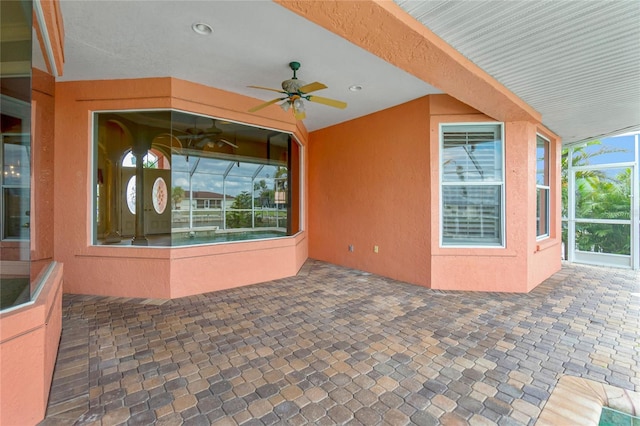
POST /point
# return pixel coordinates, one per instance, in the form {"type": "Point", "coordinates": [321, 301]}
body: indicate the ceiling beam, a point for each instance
{"type": "Point", "coordinates": [384, 29]}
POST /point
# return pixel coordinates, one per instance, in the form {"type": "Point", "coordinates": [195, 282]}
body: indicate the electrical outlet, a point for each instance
{"type": "Point", "coordinates": [375, 249]}
{"type": "Point", "coordinates": [351, 247]}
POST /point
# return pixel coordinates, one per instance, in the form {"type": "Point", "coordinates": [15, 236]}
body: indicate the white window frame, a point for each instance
{"type": "Point", "coordinates": [501, 183]}
{"type": "Point", "coordinates": [547, 187]}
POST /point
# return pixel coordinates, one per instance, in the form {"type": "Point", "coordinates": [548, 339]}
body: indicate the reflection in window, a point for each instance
{"type": "Point", "coordinates": [150, 160]}
{"type": "Point", "coordinates": [472, 185]}
{"type": "Point", "coordinates": [15, 186]}
{"type": "Point", "coordinates": [15, 154]}
{"type": "Point", "coordinates": [159, 195]}
{"type": "Point", "coordinates": [205, 180]}
{"type": "Point", "coordinates": [131, 194]}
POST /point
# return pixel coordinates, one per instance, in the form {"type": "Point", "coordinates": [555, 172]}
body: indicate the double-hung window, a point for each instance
{"type": "Point", "coordinates": [472, 185]}
{"type": "Point", "coordinates": [542, 187]}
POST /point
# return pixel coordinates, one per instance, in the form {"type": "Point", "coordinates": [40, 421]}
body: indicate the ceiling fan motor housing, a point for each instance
{"type": "Point", "coordinates": [292, 85]}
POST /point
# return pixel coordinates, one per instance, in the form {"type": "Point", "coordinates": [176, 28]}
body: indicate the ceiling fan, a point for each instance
{"type": "Point", "coordinates": [199, 138]}
{"type": "Point", "coordinates": [296, 91]}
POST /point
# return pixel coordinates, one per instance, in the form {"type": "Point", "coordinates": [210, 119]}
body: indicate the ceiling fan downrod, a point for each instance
{"type": "Point", "coordinates": [295, 66]}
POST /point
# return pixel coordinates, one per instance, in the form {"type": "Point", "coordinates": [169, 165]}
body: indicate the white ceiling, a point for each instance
{"type": "Point", "coordinates": [252, 44]}
{"type": "Point", "coordinates": [577, 63]}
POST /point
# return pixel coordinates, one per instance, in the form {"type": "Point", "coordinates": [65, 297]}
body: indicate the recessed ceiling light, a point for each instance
{"type": "Point", "coordinates": [202, 28]}
{"type": "Point", "coordinates": [355, 88]}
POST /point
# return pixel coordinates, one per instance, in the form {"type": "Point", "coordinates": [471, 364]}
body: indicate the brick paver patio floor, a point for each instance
{"type": "Point", "coordinates": [338, 346]}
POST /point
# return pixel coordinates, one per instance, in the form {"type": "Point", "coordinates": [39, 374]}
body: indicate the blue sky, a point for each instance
{"type": "Point", "coordinates": [626, 145]}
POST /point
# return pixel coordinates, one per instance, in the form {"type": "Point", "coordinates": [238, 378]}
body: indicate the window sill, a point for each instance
{"type": "Point", "coordinates": [546, 244]}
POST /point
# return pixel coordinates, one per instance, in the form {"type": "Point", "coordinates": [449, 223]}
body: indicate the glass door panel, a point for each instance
{"type": "Point", "coordinates": [603, 210]}
{"type": "Point", "coordinates": [603, 193]}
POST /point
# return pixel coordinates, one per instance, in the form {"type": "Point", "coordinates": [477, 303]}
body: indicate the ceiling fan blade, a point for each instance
{"type": "Point", "coordinates": [168, 140]}
{"type": "Point", "coordinates": [228, 143]}
{"type": "Point", "coordinates": [327, 101]}
{"type": "Point", "coordinates": [264, 105]}
{"type": "Point", "coordinates": [267, 88]}
{"type": "Point", "coordinates": [183, 137]}
{"type": "Point", "coordinates": [312, 87]}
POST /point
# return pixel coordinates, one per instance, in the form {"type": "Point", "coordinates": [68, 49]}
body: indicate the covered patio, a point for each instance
{"type": "Point", "coordinates": [333, 345]}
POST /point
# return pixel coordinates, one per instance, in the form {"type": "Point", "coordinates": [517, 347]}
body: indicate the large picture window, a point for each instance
{"type": "Point", "coordinates": [170, 178]}
{"type": "Point", "coordinates": [472, 185]}
{"type": "Point", "coordinates": [542, 187]}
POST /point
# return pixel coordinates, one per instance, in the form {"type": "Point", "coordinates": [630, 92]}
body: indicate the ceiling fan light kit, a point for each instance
{"type": "Point", "coordinates": [296, 92]}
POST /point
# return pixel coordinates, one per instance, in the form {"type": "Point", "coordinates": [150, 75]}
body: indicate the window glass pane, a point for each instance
{"type": "Point", "coordinates": [542, 161]}
{"type": "Point", "coordinates": [603, 238]}
{"type": "Point", "coordinates": [16, 213]}
{"type": "Point", "coordinates": [471, 214]}
{"type": "Point", "coordinates": [15, 160]}
{"type": "Point", "coordinates": [150, 160]}
{"type": "Point", "coordinates": [605, 151]}
{"type": "Point", "coordinates": [542, 212]}
{"type": "Point", "coordinates": [603, 193]}
{"type": "Point", "coordinates": [204, 180]}
{"type": "Point", "coordinates": [15, 154]}
{"type": "Point", "coordinates": [471, 153]}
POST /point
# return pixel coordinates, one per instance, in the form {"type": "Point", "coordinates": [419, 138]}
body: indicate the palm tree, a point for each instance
{"type": "Point", "coordinates": [177, 194]}
{"type": "Point", "coordinates": [597, 195]}
{"type": "Point", "coordinates": [238, 217]}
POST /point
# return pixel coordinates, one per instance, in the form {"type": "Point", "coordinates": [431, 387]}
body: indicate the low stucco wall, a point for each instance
{"type": "Point", "coordinates": [236, 264]}
{"type": "Point", "coordinates": [29, 338]}
{"type": "Point", "coordinates": [156, 272]}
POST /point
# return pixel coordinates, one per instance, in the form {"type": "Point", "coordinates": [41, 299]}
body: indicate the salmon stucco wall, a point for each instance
{"type": "Point", "coordinates": [374, 181]}
{"type": "Point", "coordinates": [228, 265]}
{"type": "Point", "coordinates": [545, 254]}
{"type": "Point", "coordinates": [42, 218]}
{"type": "Point", "coordinates": [369, 186]}
{"type": "Point", "coordinates": [29, 337]}
{"type": "Point", "coordinates": [154, 272]}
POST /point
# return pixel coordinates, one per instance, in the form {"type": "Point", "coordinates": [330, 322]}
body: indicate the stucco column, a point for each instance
{"type": "Point", "coordinates": [140, 148]}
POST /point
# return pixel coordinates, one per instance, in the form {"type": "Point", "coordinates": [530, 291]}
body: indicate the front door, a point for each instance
{"type": "Point", "coordinates": [157, 212]}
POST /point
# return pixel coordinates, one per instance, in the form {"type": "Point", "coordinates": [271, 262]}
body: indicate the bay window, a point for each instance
{"type": "Point", "coordinates": [172, 178]}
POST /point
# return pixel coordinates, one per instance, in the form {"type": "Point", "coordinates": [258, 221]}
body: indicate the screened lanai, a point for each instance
{"type": "Point", "coordinates": [229, 197]}
{"type": "Point", "coordinates": [601, 202]}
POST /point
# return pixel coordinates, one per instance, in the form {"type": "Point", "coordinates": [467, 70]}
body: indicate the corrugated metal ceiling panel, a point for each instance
{"type": "Point", "coordinates": [576, 62]}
